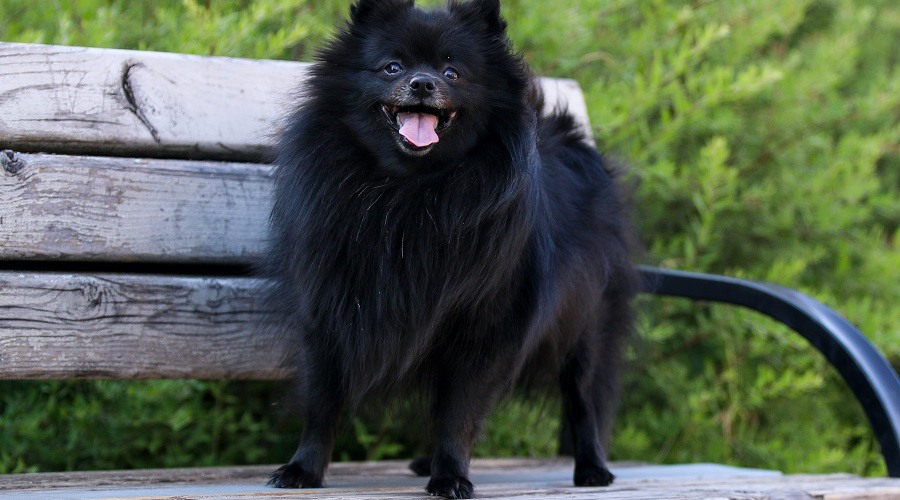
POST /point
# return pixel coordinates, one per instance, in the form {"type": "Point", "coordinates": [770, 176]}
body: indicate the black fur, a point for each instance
{"type": "Point", "coordinates": [453, 270]}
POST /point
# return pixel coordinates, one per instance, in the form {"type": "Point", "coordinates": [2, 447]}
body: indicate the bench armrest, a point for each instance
{"type": "Point", "coordinates": [869, 375]}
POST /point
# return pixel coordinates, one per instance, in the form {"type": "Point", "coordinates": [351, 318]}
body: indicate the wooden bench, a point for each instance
{"type": "Point", "coordinates": [133, 199]}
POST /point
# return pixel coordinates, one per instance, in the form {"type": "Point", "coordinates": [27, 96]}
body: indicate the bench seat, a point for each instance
{"type": "Point", "coordinates": [495, 478]}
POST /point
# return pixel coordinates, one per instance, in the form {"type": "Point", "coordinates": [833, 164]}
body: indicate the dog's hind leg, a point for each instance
{"type": "Point", "coordinates": [421, 466]}
{"type": "Point", "coordinates": [589, 383]}
{"type": "Point", "coordinates": [580, 412]}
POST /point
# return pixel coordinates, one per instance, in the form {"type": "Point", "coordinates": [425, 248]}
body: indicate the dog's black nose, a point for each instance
{"type": "Point", "coordinates": [422, 86]}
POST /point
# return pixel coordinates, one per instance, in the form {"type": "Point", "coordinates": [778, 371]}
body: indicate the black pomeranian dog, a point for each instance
{"type": "Point", "coordinates": [433, 235]}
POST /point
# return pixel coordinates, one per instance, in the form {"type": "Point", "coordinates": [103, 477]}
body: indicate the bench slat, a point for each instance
{"type": "Point", "coordinates": [56, 99]}
{"type": "Point", "coordinates": [131, 103]}
{"type": "Point", "coordinates": [493, 478]}
{"type": "Point", "coordinates": [64, 326]}
{"type": "Point", "coordinates": [123, 209]}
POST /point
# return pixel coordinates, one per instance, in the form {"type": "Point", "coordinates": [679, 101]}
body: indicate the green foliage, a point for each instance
{"type": "Point", "coordinates": [107, 425]}
{"type": "Point", "coordinates": [764, 135]}
{"type": "Point", "coordinates": [238, 28]}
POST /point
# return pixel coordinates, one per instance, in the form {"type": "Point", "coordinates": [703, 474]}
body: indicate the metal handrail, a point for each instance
{"type": "Point", "coordinates": [865, 370]}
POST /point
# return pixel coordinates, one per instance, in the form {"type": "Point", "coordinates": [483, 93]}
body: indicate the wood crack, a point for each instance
{"type": "Point", "coordinates": [132, 104]}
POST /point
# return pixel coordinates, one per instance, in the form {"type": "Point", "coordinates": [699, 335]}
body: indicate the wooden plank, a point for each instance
{"type": "Point", "coordinates": [120, 209]}
{"type": "Point", "coordinates": [62, 326]}
{"type": "Point", "coordinates": [493, 478]}
{"type": "Point", "coordinates": [56, 99]}
{"type": "Point", "coordinates": [107, 101]}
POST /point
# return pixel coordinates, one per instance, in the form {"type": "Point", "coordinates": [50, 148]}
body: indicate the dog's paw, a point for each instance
{"type": "Point", "coordinates": [293, 475]}
{"type": "Point", "coordinates": [450, 487]}
{"type": "Point", "coordinates": [421, 466]}
{"type": "Point", "coordinates": [593, 475]}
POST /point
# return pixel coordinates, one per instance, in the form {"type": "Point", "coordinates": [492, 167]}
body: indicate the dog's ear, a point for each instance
{"type": "Point", "coordinates": [363, 9]}
{"type": "Point", "coordinates": [490, 10]}
{"type": "Point", "coordinates": [487, 11]}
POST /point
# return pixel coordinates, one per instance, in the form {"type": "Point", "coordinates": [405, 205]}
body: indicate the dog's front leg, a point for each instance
{"type": "Point", "coordinates": [463, 396]}
{"type": "Point", "coordinates": [323, 407]}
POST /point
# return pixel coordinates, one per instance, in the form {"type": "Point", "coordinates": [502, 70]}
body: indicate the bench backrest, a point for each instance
{"type": "Point", "coordinates": [131, 201]}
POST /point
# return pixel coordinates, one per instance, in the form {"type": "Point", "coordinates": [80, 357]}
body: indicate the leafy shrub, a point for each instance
{"type": "Point", "coordinates": [764, 138]}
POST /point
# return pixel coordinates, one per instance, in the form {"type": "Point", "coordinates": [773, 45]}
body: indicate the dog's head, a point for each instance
{"type": "Point", "coordinates": [414, 83]}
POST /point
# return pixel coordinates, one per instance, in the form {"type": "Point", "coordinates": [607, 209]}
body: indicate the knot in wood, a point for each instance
{"type": "Point", "coordinates": [10, 162]}
{"type": "Point", "coordinates": [93, 293]}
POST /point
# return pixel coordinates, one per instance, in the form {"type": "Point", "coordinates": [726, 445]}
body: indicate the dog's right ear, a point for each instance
{"type": "Point", "coordinates": [363, 9]}
{"type": "Point", "coordinates": [482, 11]}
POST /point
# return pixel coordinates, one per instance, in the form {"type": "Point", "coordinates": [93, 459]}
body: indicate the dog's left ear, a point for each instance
{"type": "Point", "coordinates": [487, 11]}
{"type": "Point", "coordinates": [490, 9]}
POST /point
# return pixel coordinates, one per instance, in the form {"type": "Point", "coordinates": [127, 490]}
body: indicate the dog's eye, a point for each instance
{"type": "Point", "coordinates": [451, 74]}
{"type": "Point", "coordinates": [392, 68]}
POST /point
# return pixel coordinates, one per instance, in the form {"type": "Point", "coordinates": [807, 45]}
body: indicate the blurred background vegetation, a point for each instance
{"type": "Point", "coordinates": [764, 136]}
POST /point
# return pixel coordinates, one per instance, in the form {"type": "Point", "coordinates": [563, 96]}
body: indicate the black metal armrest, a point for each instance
{"type": "Point", "coordinates": [870, 377]}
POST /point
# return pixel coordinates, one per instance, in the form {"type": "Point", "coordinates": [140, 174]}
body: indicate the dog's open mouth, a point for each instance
{"type": "Point", "coordinates": [419, 126]}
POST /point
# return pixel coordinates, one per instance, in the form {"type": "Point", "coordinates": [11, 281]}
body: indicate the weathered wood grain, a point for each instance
{"type": "Point", "coordinates": [63, 326]}
{"type": "Point", "coordinates": [57, 99]}
{"type": "Point", "coordinates": [493, 478]}
{"type": "Point", "coordinates": [107, 101]}
{"type": "Point", "coordinates": [123, 209]}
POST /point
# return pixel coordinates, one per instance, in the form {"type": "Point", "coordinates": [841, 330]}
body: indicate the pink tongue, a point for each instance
{"type": "Point", "coordinates": [418, 128]}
